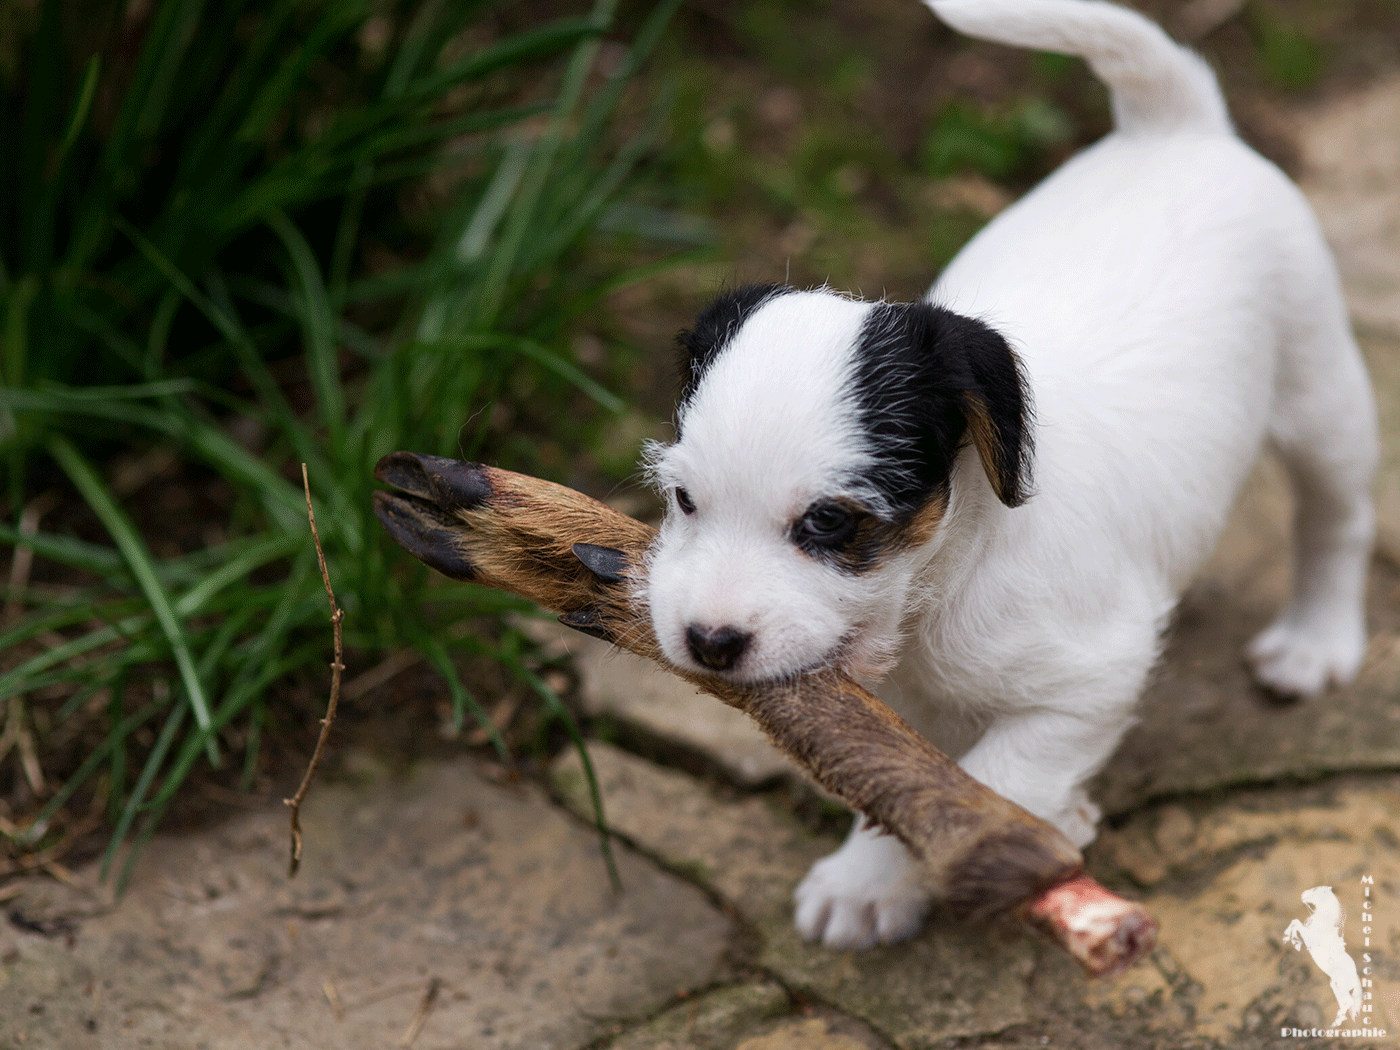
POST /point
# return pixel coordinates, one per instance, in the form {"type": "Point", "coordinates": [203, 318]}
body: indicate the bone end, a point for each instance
{"type": "Point", "coordinates": [1106, 933]}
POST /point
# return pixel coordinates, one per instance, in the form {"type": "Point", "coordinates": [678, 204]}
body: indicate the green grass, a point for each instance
{"type": "Point", "coordinates": [196, 193]}
{"type": "Point", "coordinates": [999, 146]}
{"type": "Point", "coordinates": [1290, 60]}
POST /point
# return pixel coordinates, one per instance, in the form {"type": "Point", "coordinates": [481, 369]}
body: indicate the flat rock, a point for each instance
{"type": "Point", "coordinates": [480, 910]}
{"type": "Point", "coordinates": [718, 1019]}
{"type": "Point", "coordinates": [1383, 358]}
{"type": "Point", "coordinates": [951, 981]}
{"type": "Point", "coordinates": [814, 1033]}
{"type": "Point", "coordinates": [1226, 881]}
{"type": "Point", "coordinates": [756, 1016]}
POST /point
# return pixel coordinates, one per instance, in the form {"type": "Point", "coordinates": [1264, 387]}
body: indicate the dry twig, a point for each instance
{"type": "Point", "coordinates": [22, 560]}
{"type": "Point", "coordinates": [337, 615]}
{"type": "Point", "coordinates": [333, 997]}
{"type": "Point", "coordinates": [416, 1025]}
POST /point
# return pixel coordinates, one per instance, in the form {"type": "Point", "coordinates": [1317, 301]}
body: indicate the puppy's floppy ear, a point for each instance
{"type": "Point", "coordinates": [715, 326]}
{"type": "Point", "coordinates": [997, 410]}
{"type": "Point", "coordinates": [926, 379]}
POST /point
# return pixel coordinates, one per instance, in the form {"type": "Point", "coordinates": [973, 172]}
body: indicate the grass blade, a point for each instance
{"type": "Point", "coordinates": [557, 708]}
{"type": "Point", "coordinates": [139, 561]}
{"type": "Point", "coordinates": [19, 679]}
{"type": "Point", "coordinates": [143, 785]}
{"type": "Point", "coordinates": [80, 108]}
{"type": "Point", "coordinates": [318, 328]}
{"type": "Point", "coordinates": [76, 780]}
{"type": "Point", "coordinates": [462, 700]}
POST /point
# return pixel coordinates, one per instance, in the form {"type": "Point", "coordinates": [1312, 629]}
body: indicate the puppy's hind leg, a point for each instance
{"type": "Point", "coordinates": [1324, 429]}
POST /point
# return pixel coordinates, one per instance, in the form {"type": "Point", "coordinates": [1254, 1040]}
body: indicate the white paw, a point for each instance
{"type": "Point", "coordinates": [866, 893]}
{"type": "Point", "coordinates": [1299, 661]}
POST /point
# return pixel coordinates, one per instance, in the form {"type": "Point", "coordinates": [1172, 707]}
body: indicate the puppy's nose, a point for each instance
{"type": "Point", "coordinates": [717, 648]}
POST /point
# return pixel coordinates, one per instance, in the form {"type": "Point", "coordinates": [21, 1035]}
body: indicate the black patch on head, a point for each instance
{"type": "Point", "coordinates": [926, 381]}
{"type": "Point", "coordinates": [714, 328]}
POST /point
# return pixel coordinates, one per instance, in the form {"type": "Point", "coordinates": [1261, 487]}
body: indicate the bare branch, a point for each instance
{"type": "Point", "coordinates": [337, 615]}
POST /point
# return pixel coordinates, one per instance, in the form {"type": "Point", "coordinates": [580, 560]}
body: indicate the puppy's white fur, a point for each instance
{"type": "Point", "coordinates": [1173, 305]}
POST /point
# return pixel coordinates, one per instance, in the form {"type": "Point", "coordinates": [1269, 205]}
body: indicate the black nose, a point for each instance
{"type": "Point", "coordinates": [717, 648]}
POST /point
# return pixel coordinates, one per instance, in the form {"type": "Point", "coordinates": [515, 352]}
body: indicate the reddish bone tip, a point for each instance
{"type": "Point", "coordinates": [1106, 933]}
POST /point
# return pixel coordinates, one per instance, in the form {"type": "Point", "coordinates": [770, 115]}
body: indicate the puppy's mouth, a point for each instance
{"type": "Point", "coordinates": [862, 655]}
{"type": "Point", "coordinates": [858, 653]}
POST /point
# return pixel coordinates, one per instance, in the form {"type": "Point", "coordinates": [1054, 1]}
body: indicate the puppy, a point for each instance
{"type": "Point", "coordinates": [991, 501]}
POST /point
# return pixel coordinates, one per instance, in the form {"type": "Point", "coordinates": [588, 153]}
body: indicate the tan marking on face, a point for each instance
{"type": "Point", "coordinates": [922, 526]}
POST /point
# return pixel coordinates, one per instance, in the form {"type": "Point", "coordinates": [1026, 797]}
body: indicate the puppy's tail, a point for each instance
{"type": "Point", "coordinates": [1157, 86]}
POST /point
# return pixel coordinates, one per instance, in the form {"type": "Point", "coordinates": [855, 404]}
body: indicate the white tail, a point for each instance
{"type": "Point", "coordinates": [1157, 86]}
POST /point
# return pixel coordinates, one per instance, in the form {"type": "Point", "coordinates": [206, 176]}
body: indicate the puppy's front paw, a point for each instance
{"type": "Point", "coordinates": [1296, 660]}
{"type": "Point", "coordinates": [859, 897]}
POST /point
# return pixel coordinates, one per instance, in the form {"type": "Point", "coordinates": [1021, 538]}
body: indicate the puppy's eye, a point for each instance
{"type": "Point", "coordinates": [825, 525]}
{"type": "Point", "coordinates": [683, 500]}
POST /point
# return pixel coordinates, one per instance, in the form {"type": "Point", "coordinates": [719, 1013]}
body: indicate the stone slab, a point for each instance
{"type": "Point", "coordinates": [814, 1033]}
{"type": "Point", "coordinates": [1225, 883]}
{"type": "Point", "coordinates": [442, 880]}
{"type": "Point", "coordinates": [717, 1020]}
{"type": "Point", "coordinates": [952, 981]}
{"type": "Point", "coordinates": [1383, 360]}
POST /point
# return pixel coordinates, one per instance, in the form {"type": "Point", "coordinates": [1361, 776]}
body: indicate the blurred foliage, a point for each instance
{"type": "Point", "coordinates": [1288, 57]}
{"type": "Point", "coordinates": [999, 146]}
{"type": "Point", "coordinates": [256, 234]}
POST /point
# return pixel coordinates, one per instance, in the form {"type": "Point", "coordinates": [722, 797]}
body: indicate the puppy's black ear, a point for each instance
{"type": "Point", "coordinates": [926, 380]}
{"type": "Point", "coordinates": [997, 410]}
{"type": "Point", "coordinates": [715, 326]}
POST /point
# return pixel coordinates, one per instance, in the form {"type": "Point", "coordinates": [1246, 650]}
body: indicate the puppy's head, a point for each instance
{"type": "Point", "coordinates": [817, 438]}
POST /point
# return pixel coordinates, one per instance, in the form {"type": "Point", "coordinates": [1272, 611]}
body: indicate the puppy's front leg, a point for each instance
{"type": "Point", "coordinates": [869, 891]}
{"type": "Point", "coordinates": [1041, 758]}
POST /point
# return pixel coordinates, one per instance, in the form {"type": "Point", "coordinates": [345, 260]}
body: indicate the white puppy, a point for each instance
{"type": "Point", "coordinates": [852, 482]}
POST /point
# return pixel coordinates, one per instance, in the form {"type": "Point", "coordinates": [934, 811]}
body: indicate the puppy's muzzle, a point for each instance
{"type": "Point", "coordinates": [717, 648]}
